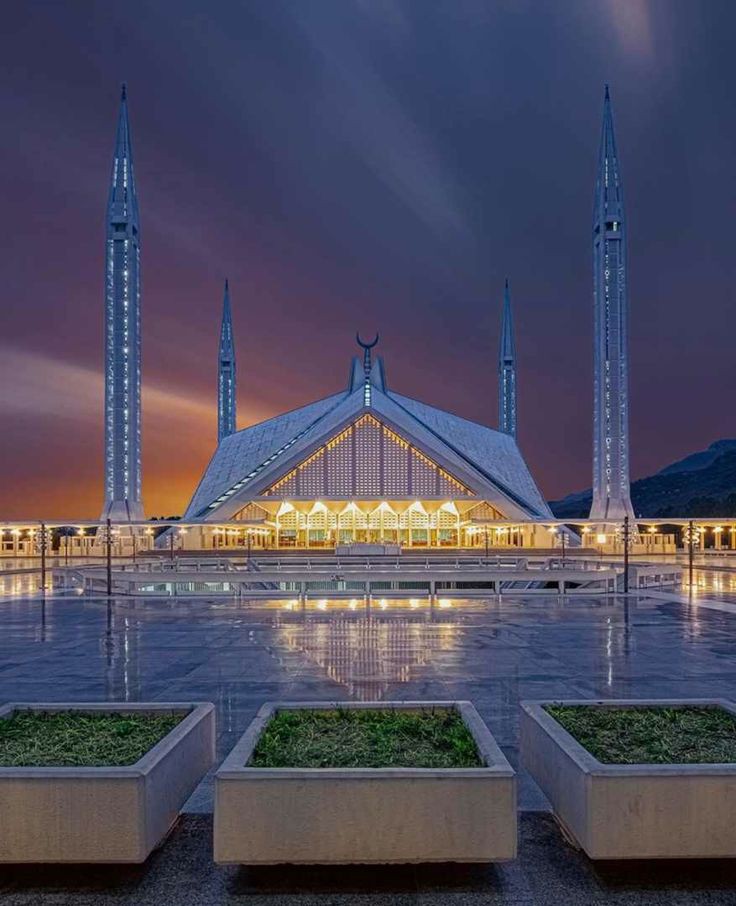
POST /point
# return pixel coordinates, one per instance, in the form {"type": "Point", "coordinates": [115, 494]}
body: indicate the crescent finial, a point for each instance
{"type": "Point", "coordinates": [365, 345]}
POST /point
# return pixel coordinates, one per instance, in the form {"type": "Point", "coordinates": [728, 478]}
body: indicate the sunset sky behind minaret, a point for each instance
{"type": "Point", "coordinates": [371, 165]}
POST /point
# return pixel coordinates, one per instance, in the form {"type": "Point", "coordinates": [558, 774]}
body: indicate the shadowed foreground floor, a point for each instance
{"type": "Point", "coordinates": [548, 872]}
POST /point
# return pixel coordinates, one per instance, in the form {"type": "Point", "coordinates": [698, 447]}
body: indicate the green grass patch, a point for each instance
{"type": "Point", "coordinates": [348, 738]}
{"type": "Point", "coordinates": [651, 735]}
{"type": "Point", "coordinates": [75, 739]}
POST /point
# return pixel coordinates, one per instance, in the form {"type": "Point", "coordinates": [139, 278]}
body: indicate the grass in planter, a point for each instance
{"type": "Point", "coordinates": [347, 738]}
{"type": "Point", "coordinates": [651, 735]}
{"type": "Point", "coordinates": [75, 739]}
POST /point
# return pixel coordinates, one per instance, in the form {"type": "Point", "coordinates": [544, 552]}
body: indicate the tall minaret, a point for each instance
{"type": "Point", "coordinates": [122, 336]}
{"type": "Point", "coordinates": [226, 377]}
{"type": "Point", "coordinates": [611, 498]}
{"type": "Point", "coordinates": [507, 370]}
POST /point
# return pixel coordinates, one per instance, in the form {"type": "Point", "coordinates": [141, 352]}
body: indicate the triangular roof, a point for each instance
{"type": "Point", "coordinates": [248, 462]}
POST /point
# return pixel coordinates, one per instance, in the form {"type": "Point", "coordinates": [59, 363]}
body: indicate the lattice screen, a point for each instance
{"type": "Point", "coordinates": [368, 459]}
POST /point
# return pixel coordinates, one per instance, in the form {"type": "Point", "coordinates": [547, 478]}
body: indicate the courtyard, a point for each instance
{"type": "Point", "coordinates": [495, 652]}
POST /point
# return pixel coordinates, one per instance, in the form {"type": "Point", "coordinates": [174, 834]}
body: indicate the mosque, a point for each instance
{"type": "Point", "coordinates": [366, 465]}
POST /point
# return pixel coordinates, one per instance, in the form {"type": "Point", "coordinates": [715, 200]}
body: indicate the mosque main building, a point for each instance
{"type": "Point", "coordinates": [366, 465]}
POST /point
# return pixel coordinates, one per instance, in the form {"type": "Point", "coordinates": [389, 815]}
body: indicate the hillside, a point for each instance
{"type": "Point", "coordinates": [702, 484]}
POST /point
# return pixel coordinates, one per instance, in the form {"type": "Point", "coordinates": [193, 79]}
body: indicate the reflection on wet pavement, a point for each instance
{"type": "Point", "coordinates": [239, 654]}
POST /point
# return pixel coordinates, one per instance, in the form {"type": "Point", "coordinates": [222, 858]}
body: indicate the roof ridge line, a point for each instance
{"type": "Point", "coordinates": [235, 486]}
{"type": "Point", "coordinates": [520, 501]}
{"type": "Point", "coordinates": [392, 394]}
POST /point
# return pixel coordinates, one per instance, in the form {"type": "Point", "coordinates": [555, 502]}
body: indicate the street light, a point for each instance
{"type": "Point", "coordinates": [717, 532]}
{"type": "Point", "coordinates": [692, 534]}
{"type": "Point", "coordinates": [43, 558]}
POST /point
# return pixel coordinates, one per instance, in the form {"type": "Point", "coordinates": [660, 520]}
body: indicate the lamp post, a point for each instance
{"type": "Point", "coordinates": [585, 533]}
{"type": "Point", "coordinates": [553, 532]}
{"type": "Point", "coordinates": [43, 558]}
{"type": "Point", "coordinates": [626, 555]}
{"type": "Point", "coordinates": [717, 531]}
{"type": "Point", "coordinates": [690, 553]}
{"type": "Point", "coordinates": [652, 533]}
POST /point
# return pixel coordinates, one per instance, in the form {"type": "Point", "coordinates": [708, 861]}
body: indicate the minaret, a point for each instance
{"type": "Point", "coordinates": [611, 498]}
{"type": "Point", "coordinates": [507, 370]}
{"type": "Point", "coordinates": [122, 336]}
{"type": "Point", "coordinates": [226, 377]}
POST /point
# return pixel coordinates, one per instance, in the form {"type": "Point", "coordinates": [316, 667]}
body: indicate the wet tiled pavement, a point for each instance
{"type": "Point", "coordinates": [240, 654]}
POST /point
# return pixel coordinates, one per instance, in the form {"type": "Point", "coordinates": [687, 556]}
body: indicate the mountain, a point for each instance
{"type": "Point", "coordinates": [702, 484]}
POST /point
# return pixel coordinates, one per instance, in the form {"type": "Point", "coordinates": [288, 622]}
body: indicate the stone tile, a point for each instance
{"type": "Point", "coordinates": [240, 654]}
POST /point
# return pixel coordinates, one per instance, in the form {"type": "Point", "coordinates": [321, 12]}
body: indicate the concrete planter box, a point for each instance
{"type": "Point", "coordinates": [631, 811]}
{"type": "Point", "coordinates": [353, 815]}
{"type": "Point", "coordinates": [104, 814]}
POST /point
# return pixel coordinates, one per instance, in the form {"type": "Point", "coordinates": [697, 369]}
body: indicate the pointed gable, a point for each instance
{"type": "Point", "coordinates": [367, 459]}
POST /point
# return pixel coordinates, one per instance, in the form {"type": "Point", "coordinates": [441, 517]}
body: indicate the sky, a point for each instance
{"type": "Point", "coordinates": [360, 165]}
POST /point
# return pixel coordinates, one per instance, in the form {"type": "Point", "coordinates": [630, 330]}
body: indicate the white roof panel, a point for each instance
{"type": "Point", "coordinates": [241, 453]}
{"type": "Point", "coordinates": [496, 454]}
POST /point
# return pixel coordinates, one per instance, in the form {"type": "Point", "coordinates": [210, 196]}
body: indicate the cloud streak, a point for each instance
{"type": "Point", "coordinates": [34, 383]}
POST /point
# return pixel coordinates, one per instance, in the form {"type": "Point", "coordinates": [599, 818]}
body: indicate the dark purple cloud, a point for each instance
{"type": "Point", "coordinates": [361, 165]}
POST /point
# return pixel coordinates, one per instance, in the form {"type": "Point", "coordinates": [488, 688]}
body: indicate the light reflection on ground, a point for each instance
{"type": "Point", "coordinates": [241, 653]}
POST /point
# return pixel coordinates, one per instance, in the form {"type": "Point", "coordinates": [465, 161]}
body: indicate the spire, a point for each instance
{"type": "Point", "coordinates": [507, 369]}
{"type": "Point", "coordinates": [122, 203]}
{"type": "Point", "coordinates": [609, 200]}
{"type": "Point", "coordinates": [508, 349]}
{"type": "Point", "coordinates": [227, 350]}
{"type": "Point", "coordinates": [226, 373]}
{"type": "Point", "coordinates": [611, 491]}
{"type": "Point", "coordinates": [122, 334]}
{"type": "Point", "coordinates": [367, 366]}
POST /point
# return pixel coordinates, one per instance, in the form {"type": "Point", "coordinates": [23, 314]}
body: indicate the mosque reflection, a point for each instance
{"type": "Point", "coordinates": [368, 646]}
